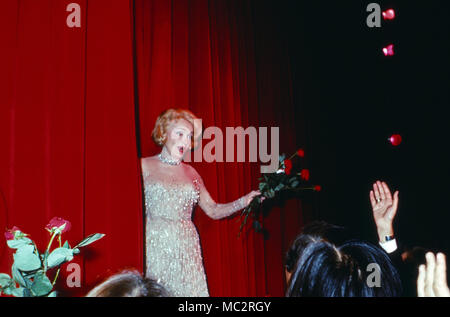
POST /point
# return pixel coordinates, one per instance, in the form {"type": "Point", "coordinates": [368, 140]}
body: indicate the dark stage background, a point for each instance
{"type": "Point", "coordinates": [354, 98]}
{"type": "Point", "coordinates": [77, 107]}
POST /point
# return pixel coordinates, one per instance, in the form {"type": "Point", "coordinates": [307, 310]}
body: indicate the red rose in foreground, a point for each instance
{"type": "Point", "coordinates": [304, 174]}
{"type": "Point", "coordinates": [301, 152]}
{"type": "Point", "coordinates": [288, 165]}
{"type": "Point", "coordinates": [317, 188]}
{"type": "Point", "coordinates": [57, 222]}
{"type": "Point", "coordinates": [9, 234]}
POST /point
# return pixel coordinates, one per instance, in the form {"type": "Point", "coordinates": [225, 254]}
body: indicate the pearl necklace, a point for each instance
{"type": "Point", "coordinates": [168, 160]}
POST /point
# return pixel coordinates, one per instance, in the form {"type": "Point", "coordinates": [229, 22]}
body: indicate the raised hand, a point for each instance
{"type": "Point", "coordinates": [432, 278]}
{"type": "Point", "coordinates": [384, 208]}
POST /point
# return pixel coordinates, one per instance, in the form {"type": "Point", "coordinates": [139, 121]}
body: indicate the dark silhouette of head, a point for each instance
{"type": "Point", "coordinates": [353, 269]}
{"type": "Point", "coordinates": [128, 284]}
{"type": "Point", "coordinates": [314, 231]}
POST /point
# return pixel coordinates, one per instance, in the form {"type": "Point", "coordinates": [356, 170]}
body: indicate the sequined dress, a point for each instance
{"type": "Point", "coordinates": [174, 256]}
{"type": "Point", "coordinates": [173, 252]}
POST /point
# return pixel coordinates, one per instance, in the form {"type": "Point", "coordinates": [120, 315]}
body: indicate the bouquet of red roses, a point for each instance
{"type": "Point", "coordinates": [271, 184]}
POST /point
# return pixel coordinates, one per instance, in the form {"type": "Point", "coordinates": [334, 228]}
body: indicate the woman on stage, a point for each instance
{"type": "Point", "coordinates": [172, 189]}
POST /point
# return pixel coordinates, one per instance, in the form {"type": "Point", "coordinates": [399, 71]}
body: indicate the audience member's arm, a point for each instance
{"type": "Point", "coordinates": [432, 278]}
{"type": "Point", "coordinates": [384, 209]}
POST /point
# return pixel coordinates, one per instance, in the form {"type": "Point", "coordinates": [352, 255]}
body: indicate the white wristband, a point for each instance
{"type": "Point", "coordinates": [389, 246]}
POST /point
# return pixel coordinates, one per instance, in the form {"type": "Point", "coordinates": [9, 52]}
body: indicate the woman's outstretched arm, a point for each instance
{"type": "Point", "coordinates": [218, 211]}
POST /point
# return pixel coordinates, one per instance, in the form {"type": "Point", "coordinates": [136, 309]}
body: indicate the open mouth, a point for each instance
{"type": "Point", "coordinates": [181, 149]}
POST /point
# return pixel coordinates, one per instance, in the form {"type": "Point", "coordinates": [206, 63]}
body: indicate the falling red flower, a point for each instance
{"type": "Point", "coordinates": [388, 14]}
{"type": "Point", "coordinates": [301, 152]}
{"type": "Point", "coordinates": [304, 174]}
{"type": "Point", "coordinates": [317, 188]}
{"type": "Point", "coordinates": [388, 50]}
{"type": "Point", "coordinates": [395, 139]}
{"type": "Point", "coordinates": [288, 166]}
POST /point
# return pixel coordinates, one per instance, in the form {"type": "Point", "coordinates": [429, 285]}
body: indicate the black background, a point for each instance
{"type": "Point", "coordinates": [350, 98]}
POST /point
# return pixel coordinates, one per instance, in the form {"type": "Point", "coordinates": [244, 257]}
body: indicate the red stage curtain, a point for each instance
{"type": "Point", "coordinates": [67, 131]}
{"type": "Point", "coordinates": [201, 55]}
{"type": "Point", "coordinates": [71, 144]}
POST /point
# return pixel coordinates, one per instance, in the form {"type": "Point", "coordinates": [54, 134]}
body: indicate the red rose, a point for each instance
{"type": "Point", "coordinates": [304, 174]}
{"type": "Point", "coordinates": [317, 188]}
{"type": "Point", "coordinates": [301, 152]}
{"type": "Point", "coordinates": [9, 234]}
{"type": "Point", "coordinates": [57, 222]}
{"type": "Point", "coordinates": [288, 166]}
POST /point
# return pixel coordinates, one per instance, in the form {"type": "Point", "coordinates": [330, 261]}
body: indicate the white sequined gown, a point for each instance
{"type": "Point", "coordinates": [173, 252]}
{"type": "Point", "coordinates": [174, 255]}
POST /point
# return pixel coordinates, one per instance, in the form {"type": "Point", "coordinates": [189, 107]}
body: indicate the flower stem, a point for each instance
{"type": "Point", "coordinates": [302, 188]}
{"type": "Point", "coordinates": [295, 153]}
{"type": "Point", "coordinates": [56, 276]}
{"type": "Point", "coordinates": [51, 241]}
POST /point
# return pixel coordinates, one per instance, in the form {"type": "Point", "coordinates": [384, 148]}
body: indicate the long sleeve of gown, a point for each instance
{"type": "Point", "coordinates": [215, 210]}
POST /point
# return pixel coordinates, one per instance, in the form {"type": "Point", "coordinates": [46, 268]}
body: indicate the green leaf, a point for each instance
{"type": "Point", "coordinates": [270, 193]}
{"type": "Point", "coordinates": [66, 245]}
{"type": "Point", "coordinates": [29, 275]}
{"type": "Point", "coordinates": [18, 292]}
{"type": "Point", "coordinates": [59, 256]}
{"type": "Point", "coordinates": [89, 239]}
{"type": "Point", "coordinates": [52, 294]}
{"type": "Point", "coordinates": [294, 182]}
{"type": "Point", "coordinates": [257, 226]}
{"type": "Point", "coordinates": [7, 290]}
{"type": "Point", "coordinates": [17, 276]}
{"type": "Point", "coordinates": [279, 187]}
{"type": "Point", "coordinates": [5, 280]}
{"type": "Point", "coordinates": [17, 243]}
{"type": "Point", "coordinates": [262, 185]}
{"type": "Point", "coordinates": [26, 292]}
{"type": "Point", "coordinates": [41, 285]}
{"type": "Point", "coordinates": [25, 259]}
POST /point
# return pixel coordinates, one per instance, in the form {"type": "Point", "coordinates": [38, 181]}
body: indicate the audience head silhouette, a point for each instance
{"type": "Point", "coordinates": [313, 232]}
{"type": "Point", "coordinates": [128, 284]}
{"type": "Point", "coordinates": [353, 269]}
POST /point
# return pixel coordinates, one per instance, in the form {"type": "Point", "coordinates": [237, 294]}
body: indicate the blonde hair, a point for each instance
{"type": "Point", "coordinates": [169, 116]}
